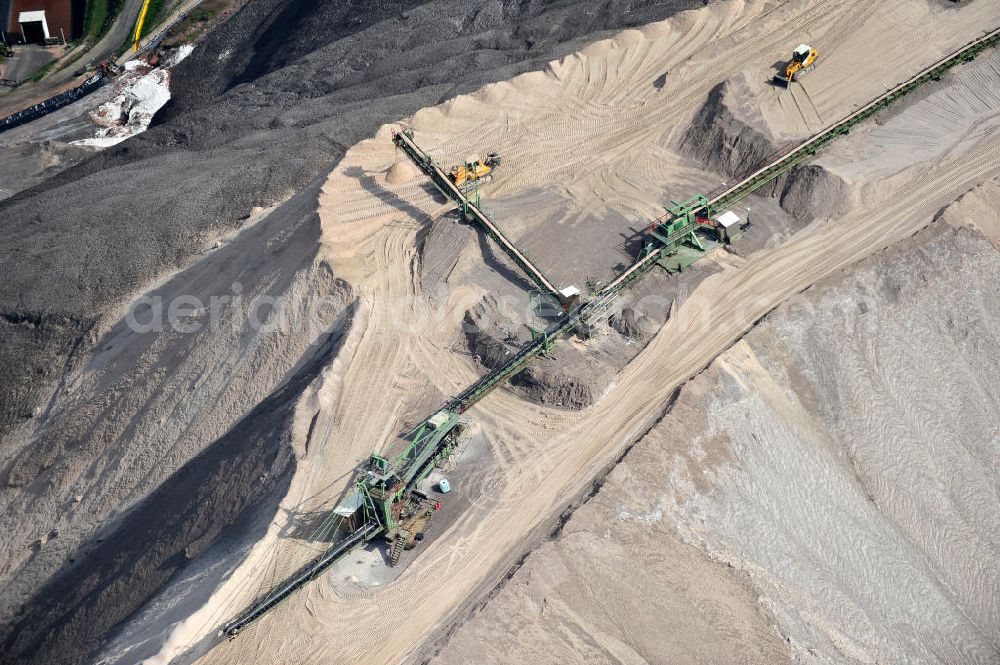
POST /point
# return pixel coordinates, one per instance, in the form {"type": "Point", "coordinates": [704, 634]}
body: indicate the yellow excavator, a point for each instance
{"type": "Point", "coordinates": [803, 60]}
{"type": "Point", "coordinates": [474, 169]}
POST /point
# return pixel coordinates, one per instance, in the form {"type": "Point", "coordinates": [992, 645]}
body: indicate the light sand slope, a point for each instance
{"type": "Point", "coordinates": [839, 461]}
{"type": "Point", "coordinates": [864, 422]}
{"type": "Point", "coordinates": [595, 126]}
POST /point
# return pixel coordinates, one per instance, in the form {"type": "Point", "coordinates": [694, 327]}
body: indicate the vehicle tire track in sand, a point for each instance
{"type": "Point", "coordinates": [565, 449]}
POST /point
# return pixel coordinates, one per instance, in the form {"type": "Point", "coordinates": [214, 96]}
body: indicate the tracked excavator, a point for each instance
{"type": "Point", "coordinates": [803, 60]}
{"type": "Point", "coordinates": [474, 170]}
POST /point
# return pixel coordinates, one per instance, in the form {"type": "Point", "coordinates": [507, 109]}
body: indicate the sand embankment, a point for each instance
{"type": "Point", "coordinates": [599, 128]}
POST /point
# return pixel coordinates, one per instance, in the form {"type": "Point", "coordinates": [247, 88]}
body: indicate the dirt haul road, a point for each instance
{"type": "Point", "coordinates": [597, 126]}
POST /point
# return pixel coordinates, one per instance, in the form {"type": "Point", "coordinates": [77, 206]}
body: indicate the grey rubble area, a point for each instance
{"type": "Point", "coordinates": [772, 493]}
{"type": "Point", "coordinates": [122, 493]}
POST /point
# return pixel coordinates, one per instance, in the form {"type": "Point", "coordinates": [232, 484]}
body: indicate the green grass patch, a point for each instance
{"type": "Point", "coordinates": [203, 14]}
{"type": "Point", "coordinates": [94, 18]}
{"type": "Point", "coordinates": [98, 17]}
{"type": "Point", "coordinates": [154, 16]}
{"type": "Point", "coordinates": [197, 22]}
{"type": "Point", "coordinates": [148, 25]}
{"type": "Point", "coordinates": [44, 71]}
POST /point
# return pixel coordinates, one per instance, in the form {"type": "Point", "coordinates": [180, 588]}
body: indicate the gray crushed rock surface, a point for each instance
{"type": "Point", "coordinates": [264, 106]}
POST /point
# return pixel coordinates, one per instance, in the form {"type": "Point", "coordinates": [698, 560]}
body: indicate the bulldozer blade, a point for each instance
{"type": "Point", "coordinates": [781, 81]}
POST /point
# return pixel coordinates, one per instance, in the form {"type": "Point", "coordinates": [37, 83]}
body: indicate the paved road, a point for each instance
{"type": "Point", "coordinates": [162, 26]}
{"type": "Point", "coordinates": [119, 32]}
{"type": "Point", "coordinates": [27, 60]}
{"type": "Point", "coordinates": [15, 99]}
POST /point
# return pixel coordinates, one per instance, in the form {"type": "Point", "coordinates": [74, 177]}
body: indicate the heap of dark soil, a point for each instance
{"type": "Point", "coordinates": [269, 102]}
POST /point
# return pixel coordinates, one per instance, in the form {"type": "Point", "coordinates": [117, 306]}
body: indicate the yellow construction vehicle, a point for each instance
{"type": "Point", "coordinates": [803, 60]}
{"type": "Point", "coordinates": [474, 169]}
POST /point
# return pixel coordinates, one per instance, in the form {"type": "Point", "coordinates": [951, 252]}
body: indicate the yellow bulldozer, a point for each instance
{"type": "Point", "coordinates": [803, 60]}
{"type": "Point", "coordinates": [474, 169]}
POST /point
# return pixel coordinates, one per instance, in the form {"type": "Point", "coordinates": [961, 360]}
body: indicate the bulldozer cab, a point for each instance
{"type": "Point", "coordinates": [475, 167]}
{"type": "Point", "coordinates": [802, 61]}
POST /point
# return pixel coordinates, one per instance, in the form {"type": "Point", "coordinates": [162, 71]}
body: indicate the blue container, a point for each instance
{"type": "Point", "coordinates": [444, 486]}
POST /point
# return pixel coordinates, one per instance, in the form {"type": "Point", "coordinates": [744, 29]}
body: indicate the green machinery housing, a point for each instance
{"type": "Point", "coordinates": [684, 234]}
{"type": "Point", "coordinates": [390, 479]}
{"type": "Point", "coordinates": [385, 503]}
{"type": "Point", "coordinates": [680, 224]}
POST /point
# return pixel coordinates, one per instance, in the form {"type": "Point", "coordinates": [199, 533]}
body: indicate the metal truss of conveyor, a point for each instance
{"type": "Point", "coordinates": [803, 152]}
{"type": "Point", "coordinates": [385, 500]}
{"type": "Point", "coordinates": [471, 211]}
{"type": "Point", "coordinates": [262, 606]}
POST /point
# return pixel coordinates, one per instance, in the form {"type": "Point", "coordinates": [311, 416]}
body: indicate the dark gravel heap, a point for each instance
{"type": "Point", "coordinates": [266, 104]}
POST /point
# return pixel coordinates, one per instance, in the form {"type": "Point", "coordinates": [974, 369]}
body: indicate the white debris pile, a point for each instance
{"type": "Point", "coordinates": [142, 91]}
{"type": "Point", "coordinates": [183, 51]}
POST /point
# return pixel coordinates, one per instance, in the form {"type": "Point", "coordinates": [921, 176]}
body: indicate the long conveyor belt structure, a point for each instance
{"type": "Point", "coordinates": [366, 532]}
{"type": "Point", "coordinates": [429, 442]}
{"type": "Point", "coordinates": [404, 139]}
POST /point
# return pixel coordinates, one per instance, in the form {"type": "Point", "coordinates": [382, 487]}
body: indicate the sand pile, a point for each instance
{"type": "Point", "coordinates": [863, 423]}
{"type": "Point", "coordinates": [495, 332]}
{"type": "Point", "coordinates": [811, 192]}
{"type": "Point", "coordinates": [978, 210]}
{"type": "Point", "coordinates": [440, 251]}
{"type": "Point", "coordinates": [632, 324]}
{"type": "Point", "coordinates": [565, 383]}
{"type": "Point", "coordinates": [728, 134]}
{"type": "Point", "coordinates": [401, 172]}
{"type": "Point", "coordinates": [824, 492]}
{"type": "Point", "coordinates": [595, 129]}
{"type": "Point", "coordinates": [833, 469]}
{"type": "Point", "coordinates": [493, 336]}
{"type": "Point", "coordinates": [205, 415]}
